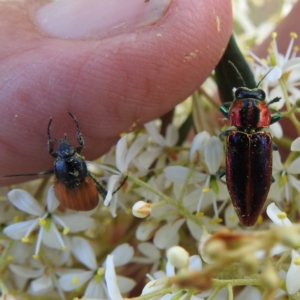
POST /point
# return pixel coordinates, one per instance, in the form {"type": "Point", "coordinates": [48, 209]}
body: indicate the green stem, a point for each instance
{"type": "Point", "coordinates": [160, 292]}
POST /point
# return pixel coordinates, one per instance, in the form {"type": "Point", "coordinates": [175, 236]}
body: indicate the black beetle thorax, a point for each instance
{"type": "Point", "coordinates": [71, 171]}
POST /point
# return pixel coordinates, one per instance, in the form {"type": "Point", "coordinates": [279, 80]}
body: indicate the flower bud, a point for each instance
{"type": "Point", "coordinates": [141, 209]}
{"type": "Point", "coordinates": [178, 257]}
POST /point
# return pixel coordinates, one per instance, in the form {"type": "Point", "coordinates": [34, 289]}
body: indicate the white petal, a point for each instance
{"type": "Point", "coordinates": [122, 254]}
{"type": "Point", "coordinates": [294, 182]}
{"type": "Point", "coordinates": [112, 182]}
{"type": "Point", "coordinates": [294, 167]}
{"type": "Point", "coordinates": [231, 218]}
{"type": "Point", "coordinates": [134, 149]}
{"type": "Point", "coordinates": [170, 269]}
{"type": "Point", "coordinates": [66, 282]}
{"type": "Point", "coordinates": [295, 146]}
{"type": "Point", "coordinates": [149, 250]}
{"type": "Point", "coordinates": [273, 211]}
{"type": "Point", "coordinates": [199, 142]}
{"type": "Point", "coordinates": [146, 230]}
{"type": "Point", "coordinates": [166, 233]}
{"type": "Point", "coordinates": [19, 230]}
{"type": "Point", "coordinates": [52, 202]}
{"type": "Point", "coordinates": [194, 229]}
{"type": "Point", "coordinates": [274, 74]}
{"type": "Point", "coordinates": [213, 154]}
{"type": "Point", "coordinates": [121, 150]}
{"type": "Point", "coordinates": [125, 284]}
{"type": "Point", "coordinates": [277, 165]}
{"type": "Point", "coordinates": [41, 285]}
{"type": "Point", "coordinates": [94, 290]}
{"type": "Point", "coordinates": [52, 238]}
{"type": "Point", "coordinates": [178, 174]}
{"type": "Point", "coordinates": [195, 263]}
{"type": "Point", "coordinates": [84, 252]}
{"type": "Point", "coordinates": [292, 276]}
{"type": "Point", "coordinates": [25, 202]}
{"type": "Point", "coordinates": [276, 130]}
{"type": "Point", "coordinates": [291, 64]}
{"type": "Point", "coordinates": [77, 222]}
{"type": "Point", "coordinates": [172, 135]}
{"type": "Point", "coordinates": [111, 280]}
{"type": "Point", "coordinates": [26, 272]}
{"type": "Point", "coordinates": [153, 132]}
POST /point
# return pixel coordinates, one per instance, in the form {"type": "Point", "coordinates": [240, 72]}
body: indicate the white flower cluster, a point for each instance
{"type": "Point", "coordinates": [179, 198]}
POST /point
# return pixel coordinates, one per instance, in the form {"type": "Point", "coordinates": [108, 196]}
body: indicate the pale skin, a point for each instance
{"type": "Point", "coordinates": [153, 69]}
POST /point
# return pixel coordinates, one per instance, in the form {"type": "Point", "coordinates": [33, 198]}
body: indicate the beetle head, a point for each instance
{"type": "Point", "coordinates": [243, 93]}
{"type": "Point", "coordinates": [64, 149]}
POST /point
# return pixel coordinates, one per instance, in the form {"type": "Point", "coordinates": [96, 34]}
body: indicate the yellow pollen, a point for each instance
{"type": "Point", "coordinates": [63, 249]}
{"type": "Point", "coordinates": [128, 211]}
{"type": "Point", "coordinates": [232, 219]}
{"type": "Point", "coordinates": [10, 258]}
{"type": "Point", "coordinates": [200, 214]}
{"type": "Point", "coordinates": [297, 261]}
{"type": "Point", "coordinates": [293, 35]}
{"type": "Point", "coordinates": [100, 271]}
{"type": "Point", "coordinates": [259, 219]}
{"type": "Point", "coordinates": [205, 189]}
{"type": "Point", "coordinates": [75, 280]}
{"type": "Point", "coordinates": [264, 60]}
{"type": "Point", "coordinates": [16, 219]}
{"type": "Point", "coordinates": [35, 256]}
{"type": "Point", "coordinates": [42, 222]}
{"type": "Point", "coordinates": [281, 215]}
{"type": "Point", "coordinates": [274, 35]}
{"type": "Point", "coordinates": [122, 134]}
{"type": "Point", "coordinates": [66, 231]}
{"type": "Point", "coordinates": [296, 48]}
{"type": "Point", "coordinates": [283, 179]}
{"type": "Point", "coordinates": [211, 222]}
{"type": "Point", "coordinates": [25, 239]}
{"type": "Point", "coordinates": [218, 220]}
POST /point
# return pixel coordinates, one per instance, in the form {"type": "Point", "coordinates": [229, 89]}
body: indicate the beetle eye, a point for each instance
{"type": "Point", "coordinates": [259, 94]}
{"type": "Point", "coordinates": [242, 92]}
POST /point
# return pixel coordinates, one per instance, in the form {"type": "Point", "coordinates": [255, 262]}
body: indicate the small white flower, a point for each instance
{"type": "Point", "coordinates": [97, 287]}
{"type": "Point", "coordinates": [292, 276]}
{"type": "Point", "coordinates": [45, 219]}
{"type": "Point", "coordinates": [285, 180]}
{"type": "Point", "coordinates": [161, 143]}
{"type": "Point", "coordinates": [124, 157]}
{"type": "Point", "coordinates": [211, 154]}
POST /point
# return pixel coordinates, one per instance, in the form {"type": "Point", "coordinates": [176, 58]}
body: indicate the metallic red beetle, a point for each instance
{"type": "Point", "coordinates": [249, 151]}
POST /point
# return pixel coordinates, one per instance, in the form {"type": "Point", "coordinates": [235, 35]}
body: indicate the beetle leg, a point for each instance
{"type": "Point", "coordinates": [123, 182]}
{"type": "Point", "coordinates": [31, 174]}
{"type": "Point", "coordinates": [274, 147]}
{"type": "Point", "coordinates": [224, 109]}
{"type": "Point", "coordinates": [79, 135]}
{"type": "Point", "coordinates": [101, 190]}
{"type": "Point", "coordinates": [276, 117]}
{"type": "Point", "coordinates": [274, 101]}
{"type": "Point", "coordinates": [221, 174]}
{"type": "Point", "coordinates": [49, 141]}
{"type": "Point", "coordinates": [224, 133]}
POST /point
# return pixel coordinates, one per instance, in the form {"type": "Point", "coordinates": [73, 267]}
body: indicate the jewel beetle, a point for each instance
{"type": "Point", "coordinates": [249, 151]}
{"type": "Point", "coordinates": [74, 186]}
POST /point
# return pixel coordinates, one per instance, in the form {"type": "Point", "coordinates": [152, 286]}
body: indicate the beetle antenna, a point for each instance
{"type": "Point", "coordinates": [49, 127]}
{"type": "Point", "coordinates": [264, 77]}
{"type": "Point", "coordinates": [238, 72]}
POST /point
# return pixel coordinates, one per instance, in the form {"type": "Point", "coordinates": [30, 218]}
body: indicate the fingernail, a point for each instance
{"type": "Point", "coordinates": [78, 19]}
